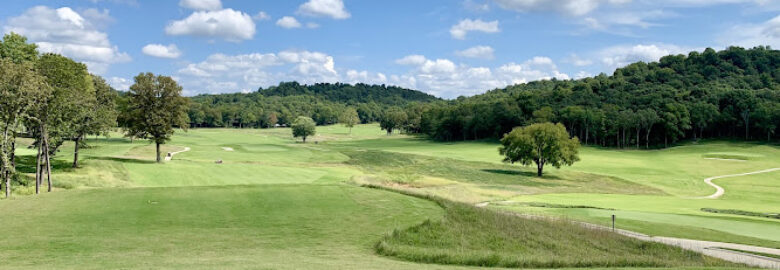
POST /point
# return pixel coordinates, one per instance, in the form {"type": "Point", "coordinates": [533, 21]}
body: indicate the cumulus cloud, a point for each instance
{"type": "Point", "coordinates": [231, 73]}
{"type": "Point", "coordinates": [481, 52]}
{"type": "Point", "coordinates": [262, 16]}
{"type": "Point", "coordinates": [162, 51]}
{"type": "Point", "coordinates": [460, 30]}
{"type": "Point", "coordinates": [228, 24]}
{"type": "Point", "coordinates": [751, 35]}
{"type": "Point", "coordinates": [324, 8]}
{"type": "Point", "coordinates": [119, 83]}
{"type": "Point", "coordinates": [619, 56]}
{"type": "Point", "coordinates": [67, 32]}
{"type": "Point", "coordinates": [288, 22]}
{"type": "Point", "coordinates": [210, 5]}
{"type": "Point", "coordinates": [565, 7]}
{"type": "Point", "coordinates": [444, 78]}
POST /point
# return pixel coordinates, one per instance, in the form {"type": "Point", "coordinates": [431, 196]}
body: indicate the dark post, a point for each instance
{"type": "Point", "coordinates": [613, 223]}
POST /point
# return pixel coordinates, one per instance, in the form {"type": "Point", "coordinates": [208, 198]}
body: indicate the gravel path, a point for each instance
{"type": "Point", "coordinates": [719, 190]}
{"type": "Point", "coordinates": [169, 157]}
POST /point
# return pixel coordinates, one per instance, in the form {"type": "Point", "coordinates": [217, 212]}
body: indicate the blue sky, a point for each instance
{"type": "Point", "coordinates": [444, 47]}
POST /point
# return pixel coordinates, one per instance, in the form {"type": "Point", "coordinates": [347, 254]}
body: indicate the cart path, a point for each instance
{"type": "Point", "coordinates": [169, 157]}
{"type": "Point", "coordinates": [719, 191]}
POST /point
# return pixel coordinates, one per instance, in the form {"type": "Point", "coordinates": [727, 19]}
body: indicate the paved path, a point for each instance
{"type": "Point", "coordinates": [719, 190]}
{"type": "Point", "coordinates": [169, 157]}
{"type": "Point", "coordinates": [709, 248]}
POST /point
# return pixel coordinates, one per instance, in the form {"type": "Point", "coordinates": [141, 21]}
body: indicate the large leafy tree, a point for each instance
{"type": "Point", "coordinates": [155, 108]}
{"type": "Point", "coordinates": [99, 114]}
{"type": "Point", "coordinates": [21, 91]}
{"type": "Point", "coordinates": [542, 144]}
{"type": "Point", "coordinates": [60, 115]}
{"type": "Point", "coordinates": [304, 127]}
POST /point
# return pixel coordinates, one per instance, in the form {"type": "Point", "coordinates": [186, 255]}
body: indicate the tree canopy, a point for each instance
{"type": "Point", "coordinates": [542, 144]}
{"type": "Point", "coordinates": [303, 127]}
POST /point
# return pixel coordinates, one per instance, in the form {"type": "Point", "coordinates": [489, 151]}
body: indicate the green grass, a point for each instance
{"type": "Point", "coordinates": [276, 203]}
{"type": "Point", "coordinates": [741, 213]}
{"type": "Point", "coordinates": [482, 237]}
{"type": "Point", "coordinates": [775, 256]}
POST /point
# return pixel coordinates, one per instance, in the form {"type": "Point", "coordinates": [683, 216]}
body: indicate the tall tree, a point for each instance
{"type": "Point", "coordinates": [155, 108]}
{"type": "Point", "coordinates": [702, 114]}
{"type": "Point", "coordinates": [21, 89]}
{"type": "Point", "coordinates": [349, 118]}
{"type": "Point", "coordinates": [60, 115]}
{"type": "Point", "coordinates": [99, 114]}
{"type": "Point", "coordinates": [543, 144]}
{"type": "Point", "coordinates": [304, 127]}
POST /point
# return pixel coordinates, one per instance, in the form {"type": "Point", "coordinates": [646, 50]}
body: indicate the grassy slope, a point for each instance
{"type": "Point", "coordinates": [483, 237]}
{"type": "Point", "coordinates": [678, 171]}
{"type": "Point", "coordinates": [267, 159]}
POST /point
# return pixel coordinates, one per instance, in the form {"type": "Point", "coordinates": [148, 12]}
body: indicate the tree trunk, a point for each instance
{"type": "Point", "coordinates": [637, 138]}
{"type": "Point", "coordinates": [38, 169]}
{"type": "Point", "coordinates": [158, 152]}
{"type": "Point", "coordinates": [647, 138]}
{"type": "Point", "coordinates": [48, 165]}
{"type": "Point", "coordinates": [539, 168]}
{"type": "Point", "coordinates": [304, 139]}
{"type": "Point", "coordinates": [76, 152]}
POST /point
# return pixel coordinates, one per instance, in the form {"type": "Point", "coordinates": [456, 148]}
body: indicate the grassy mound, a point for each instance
{"type": "Point", "coordinates": [482, 237]}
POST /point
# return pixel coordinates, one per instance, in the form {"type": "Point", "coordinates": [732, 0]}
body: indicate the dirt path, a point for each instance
{"type": "Point", "coordinates": [719, 190]}
{"type": "Point", "coordinates": [169, 157]}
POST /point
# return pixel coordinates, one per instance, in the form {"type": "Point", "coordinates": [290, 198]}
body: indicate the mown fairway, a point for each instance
{"type": "Point", "coordinates": [277, 204]}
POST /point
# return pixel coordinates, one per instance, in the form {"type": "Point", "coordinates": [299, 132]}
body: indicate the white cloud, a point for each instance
{"type": "Point", "coordinates": [209, 5]}
{"type": "Point", "coordinates": [228, 24]}
{"type": "Point", "coordinates": [444, 78]}
{"type": "Point", "coordinates": [751, 35]}
{"type": "Point", "coordinates": [460, 30]}
{"type": "Point", "coordinates": [414, 59]}
{"type": "Point", "coordinates": [67, 32]}
{"type": "Point", "coordinates": [312, 25]}
{"type": "Point", "coordinates": [231, 73]}
{"type": "Point", "coordinates": [619, 56]}
{"type": "Point", "coordinates": [565, 7]}
{"type": "Point", "coordinates": [354, 76]}
{"type": "Point", "coordinates": [119, 83]}
{"type": "Point", "coordinates": [481, 52]}
{"type": "Point", "coordinates": [162, 51]}
{"type": "Point", "coordinates": [576, 60]}
{"type": "Point", "coordinates": [288, 22]}
{"type": "Point", "coordinates": [324, 8]}
{"type": "Point", "coordinates": [262, 16]}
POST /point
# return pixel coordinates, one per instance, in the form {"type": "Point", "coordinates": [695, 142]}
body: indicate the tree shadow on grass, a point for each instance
{"type": "Point", "coordinates": [521, 173]}
{"type": "Point", "coordinates": [26, 164]}
{"type": "Point", "coordinates": [124, 160]}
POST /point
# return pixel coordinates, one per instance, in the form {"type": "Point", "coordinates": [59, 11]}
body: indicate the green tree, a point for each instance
{"type": "Point", "coordinates": [303, 127]}
{"type": "Point", "coordinates": [155, 108]}
{"type": "Point", "coordinates": [702, 114]}
{"type": "Point", "coordinates": [100, 114]}
{"type": "Point", "coordinates": [393, 119]}
{"type": "Point", "coordinates": [63, 112]}
{"type": "Point", "coordinates": [544, 115]}
{"type": "Point", "coordinates": [349, 118]}
{"type": "Point", "coordinates": [272, 119]}
{"type": "Point", "coordinates": [542, 144]}
{"type": "Point", "coordinates": [21, 90]}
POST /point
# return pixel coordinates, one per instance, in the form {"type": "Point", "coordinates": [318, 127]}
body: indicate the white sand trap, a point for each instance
{"type": "Point", "coordinates": [229, 149]}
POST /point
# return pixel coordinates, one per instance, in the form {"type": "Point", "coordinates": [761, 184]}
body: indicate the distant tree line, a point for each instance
{"type": "Point", "coordinates": [325, 103]}
{"type": "Point", "coordinates": [734, 93]}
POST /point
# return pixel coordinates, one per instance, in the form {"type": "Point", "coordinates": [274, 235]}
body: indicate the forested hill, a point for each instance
{"type": "Point", "coordinates": [731, 93]}
{"type": "Point", "coordinates": [352, 94]}
{"type": "Point", "coordinates": [324, 102]}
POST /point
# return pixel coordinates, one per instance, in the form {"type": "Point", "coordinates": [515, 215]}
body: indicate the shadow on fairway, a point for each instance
{"type": "Point", "coordinates": [521, 173]}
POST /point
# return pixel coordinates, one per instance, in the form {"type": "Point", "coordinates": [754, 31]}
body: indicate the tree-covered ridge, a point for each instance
{"type": "Point", "coordinates": [282, 104]}
{"type": "Point", "coordinates": [348, 93]}
{"type": "Point", "coordinates": [729, 93]}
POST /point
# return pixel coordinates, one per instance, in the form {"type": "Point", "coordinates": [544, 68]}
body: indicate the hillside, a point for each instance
{"type": "Point", "coordinates": [324, 102]}
{"type": "Point", "coordinates": [732, 93]}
